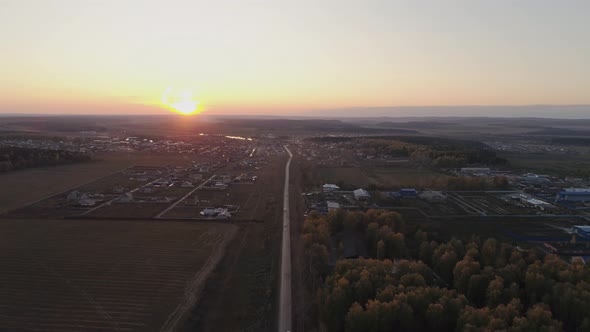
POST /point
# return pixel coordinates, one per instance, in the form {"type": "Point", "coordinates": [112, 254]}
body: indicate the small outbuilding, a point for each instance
{"type": "Point", "coordinates": [361, 194]}
{"type": "Point", "coordinates": [328, 187]}
{"type": "Point", "coordinates": [332, 206]}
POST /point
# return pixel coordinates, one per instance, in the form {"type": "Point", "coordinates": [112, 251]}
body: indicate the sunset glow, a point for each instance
{"type": "Point", "coordinates": [181, 102]}
{"type": "Point", "coordinates": [286, 58]}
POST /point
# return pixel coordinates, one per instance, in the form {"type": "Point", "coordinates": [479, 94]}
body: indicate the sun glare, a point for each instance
{"type": "Point", "coordinates": [181, 101]}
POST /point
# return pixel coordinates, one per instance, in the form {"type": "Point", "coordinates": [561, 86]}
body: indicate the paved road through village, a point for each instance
{"type": "Point", "coordinates": [285, 321]}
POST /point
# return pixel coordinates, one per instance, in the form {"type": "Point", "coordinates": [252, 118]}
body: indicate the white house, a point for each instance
{"type": "Point", "coordinates": [361, 194]}
{"type": "Point", "coordinates": [332, 206]}
{"type": "Point", "coordinates": [328, 187]}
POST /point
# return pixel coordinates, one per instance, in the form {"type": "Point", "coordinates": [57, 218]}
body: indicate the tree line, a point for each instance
{"type": "Point", "coordinates": [425, 151]}
{"type": "Point", "coordinates": [14, 158]}
{"type": "Point", "coordinates": [410, 281]}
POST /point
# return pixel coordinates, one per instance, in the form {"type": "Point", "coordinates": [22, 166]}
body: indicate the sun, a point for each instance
{"type": "Point", "coordinates": [181, 101]}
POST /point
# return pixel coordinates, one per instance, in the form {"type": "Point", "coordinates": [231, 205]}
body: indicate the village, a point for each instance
{"type": "Point", "coordinates": [217, 183]}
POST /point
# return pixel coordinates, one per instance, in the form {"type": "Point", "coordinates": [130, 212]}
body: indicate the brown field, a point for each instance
{"type": "Point", "coordinates": [241, 293]}
{"type": "Point", "coordinates": [388, 177]}
{"type": "Point", "coordinates": [34, 184]}
{"type": "Point", "coordinates": [401, 177]}
{"type": "Point", "coordinates": [349, 175]}
{"type": "Point", "coordinates": [106, 273]}
{"type": "Point", "coordinates": [96, 275]}
{"type": "Point", "coordinates": [128, 210]}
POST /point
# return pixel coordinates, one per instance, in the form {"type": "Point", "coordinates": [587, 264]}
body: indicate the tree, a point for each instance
{"type": "Point", "coordinates": [357, 320]}
{"type": "Point", "coordinates": [425, 253]}
{"type": "Point", "coordinates": [380, 249]}
{"type": "Point", "coordinates": [463, 272]}
{"type": "Point", "coordinates": [538, 318]}
{"type": "Point", "coordinates": [489, 252]}
{"type": "Point", "coordinates": [494, 292]}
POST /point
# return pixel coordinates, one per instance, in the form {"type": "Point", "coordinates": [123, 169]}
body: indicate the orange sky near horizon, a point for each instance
{"type": "Point", "coordinates": [289, 57]}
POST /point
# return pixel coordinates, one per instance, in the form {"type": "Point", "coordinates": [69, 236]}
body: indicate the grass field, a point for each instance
{"type": "Point", "coordinates": [33, 184]}
{"type": "Point", "coordinates": [96, 275]}
{"type": "Point", "coordinates": [550, 163]}
{"type": "Point", "coordinates": [404, 177]}
{"type": "Point", "coordinates": [26, 186]}
{"type": "Point", "coordinates": [388, 177]}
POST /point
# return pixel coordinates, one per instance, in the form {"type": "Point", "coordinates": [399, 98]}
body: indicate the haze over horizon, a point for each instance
{"type": "Point", "coordinates": [306, 58]}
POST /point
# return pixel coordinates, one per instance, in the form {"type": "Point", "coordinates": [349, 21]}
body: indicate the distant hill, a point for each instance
{"type": "Point", "coordinates": [551, 131]}
{"type": "Point", "coordinates": [311, 125]}
{"type": "Point", "coordinates": [414, 124]}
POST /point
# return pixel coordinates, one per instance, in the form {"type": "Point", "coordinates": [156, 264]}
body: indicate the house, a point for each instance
{"type": "Point", "coordinates": [332, 206]}
{"type": "Point", "coordinates": [208, 212]}
{"type": "Point", "coordinates": [407, 192]}
{"type": "Point", "coordinates": [476, 170]}
{"type": "Point", "coordinates": [220, 186]}
{"type": "Point", "coordinates": [582, 231]}
{"type": "Point", "coordinates": [87, 202]}
{"type": "Point", "coordinates": [393, 194]}
{"type": "Point", "coordinates": [146, 190]}
{"type": "Point", "coordinates": [361, 194]}
{"type": "Point", "coordinates": [74, 196]}
{"type": "Point", "coordinates": [328, 187]}
{"type": "Point", "coordinates": [128, 197]}
{"type": "Point", "coordinates": [224, 214]}
{"type": "Point", "coordinates": [118, 190]}
{"type": "Point", "coordinates": [533, 179]}
{"type": "Point", "coordinates": [197, 177]}
{"type": "Point", "coordinates": [186, 184]}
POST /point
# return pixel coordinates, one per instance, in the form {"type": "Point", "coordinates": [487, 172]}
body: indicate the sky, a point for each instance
{"type": "Point", "coordinates": [293, 57]}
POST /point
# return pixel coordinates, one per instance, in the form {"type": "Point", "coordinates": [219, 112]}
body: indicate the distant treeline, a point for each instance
{"type": "Point", "coordinates": [581, 141]}
{"type": "Point", "coordinates": [435, 151]}
{"type": "Point", "coordinates": [560, 132]}
{"type": "Point", "coordinates": [408, 280]}
{"type": "Point", "coordinates": [311, 125]}
{"type": "Point", "coordinates": [415, 124]}
{"type": "Point", "coordinates": [13, 158]}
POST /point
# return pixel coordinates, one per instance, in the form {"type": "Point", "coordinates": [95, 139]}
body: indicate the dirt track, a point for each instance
{"type": "Point", "coordinates": [194, 288]}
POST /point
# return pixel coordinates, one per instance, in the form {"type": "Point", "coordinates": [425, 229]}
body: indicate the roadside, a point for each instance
{"type": "Point", "coordinates": [302, 298]}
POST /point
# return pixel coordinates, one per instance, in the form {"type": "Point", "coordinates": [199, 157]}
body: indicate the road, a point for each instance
{"type": "Point", "coordinates": [285, 304]}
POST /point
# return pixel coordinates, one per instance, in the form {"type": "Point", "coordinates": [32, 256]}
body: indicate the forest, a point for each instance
{"type": "Point", "coordinates": [426, 151]}
{"type": "Point", "coordinates": [15, 158]}
{"type": "Point", "coordinates": [411, 281]}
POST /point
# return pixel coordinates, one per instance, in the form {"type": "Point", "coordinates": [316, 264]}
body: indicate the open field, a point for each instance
{"type": "Point", "coordinates": [556, 164]}
{"type": "Point", "coordinates": [349, 175]}
{"type": "Point", "coordinates": [96, 275]}
{"type": "Point", "coordinates": [102, 271]}
{"type": "Point", "coordinates": [241, 294]}
{"type": "Point", "coordinates": [517, 230]}
{"type": "Point", "coordinates": [404, 177]}
{"type": "Point", "coordinates": [395, 176]}
{"type": "Point", "coordinates": [33, 184]}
